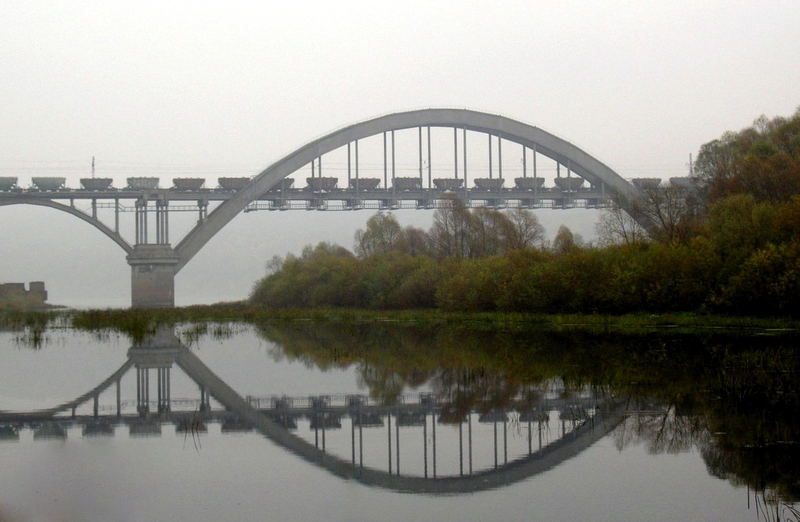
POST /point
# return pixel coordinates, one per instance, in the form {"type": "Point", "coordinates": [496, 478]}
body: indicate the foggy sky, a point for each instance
{"type": "Point", "coordinates": [211, 89]}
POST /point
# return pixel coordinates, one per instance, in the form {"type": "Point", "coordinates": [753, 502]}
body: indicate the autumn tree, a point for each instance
{"type": "Point", "coordinates": [762, 160]}
{"type": "Point", "coordinates": [617, 227]}
{"type": "Point", "coordinates": [415, 241]}
{"type": "Point", "coordinates": [460, 232]}
{"type": "Point", "coordinates": [670, 211]}
{"type": "Point", "coordinates": [523, 230]}
{"type": "Point", "coordinates": [487, 235]}
{"type": "Point", "coordinates": [450, 233]}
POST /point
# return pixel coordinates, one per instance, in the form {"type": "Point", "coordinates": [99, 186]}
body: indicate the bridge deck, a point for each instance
{"type": "Point", "coordinates": [425, 197]}
{"type": "Point", "coordinates": [307, 199]}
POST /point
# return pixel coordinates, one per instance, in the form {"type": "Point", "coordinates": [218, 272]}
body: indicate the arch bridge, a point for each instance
{"type": "Point", "coordinates": [355, 422]}
{"type": "Point", "coordinates": [578, 180]}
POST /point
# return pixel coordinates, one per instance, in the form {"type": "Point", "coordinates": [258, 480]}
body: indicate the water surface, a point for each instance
{"type": "Point", "coordinates": [521, 428]}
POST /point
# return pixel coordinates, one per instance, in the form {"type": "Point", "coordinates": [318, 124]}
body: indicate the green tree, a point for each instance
{"type": "Point", "coordinates": [564, 242]}
{"type": "Point", "coordinates": [383, 234]}
{"type": "Point", "coordinates": [323, 276]}
{"type": "Point", "coordinates": [736, 227]}
{"type": "Point", "coordinates": [474, 285]}
{"type": "Point", "coordinates": [768, 283]}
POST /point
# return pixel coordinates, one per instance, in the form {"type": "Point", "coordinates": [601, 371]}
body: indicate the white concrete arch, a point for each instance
{"type": "Point", "coordinates": [77, 213]}
{"type": "Point", "coordinates": [558, 149]}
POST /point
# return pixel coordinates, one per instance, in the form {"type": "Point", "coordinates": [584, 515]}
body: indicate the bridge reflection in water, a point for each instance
{"type": "Point", "coordinates": [427, 446]}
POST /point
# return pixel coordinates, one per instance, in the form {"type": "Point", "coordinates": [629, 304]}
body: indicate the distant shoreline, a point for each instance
{"type": "Point", "coordinates": [241, 312]}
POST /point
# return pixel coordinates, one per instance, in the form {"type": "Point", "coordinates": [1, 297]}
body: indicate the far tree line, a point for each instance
{"type": "Point", "coordinates": [727, 242]}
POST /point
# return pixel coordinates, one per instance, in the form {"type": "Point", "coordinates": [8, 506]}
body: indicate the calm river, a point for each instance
{"type": "Point", "coordinates": [300, 421]}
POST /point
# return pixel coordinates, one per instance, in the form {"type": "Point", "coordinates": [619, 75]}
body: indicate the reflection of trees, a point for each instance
{"type": "Point", "coordinates": [771, 468]}
{"type": "Point", "coordinates": [383, 384]}
{"type": "Point", "coordinates": [742, 416]}
{"type": "Point", "coordinates": [662, 432]}
{"type": "Point", "coordinates": [465, 389]}
{"type": "Point", "coordinates": [736, 404]}
{"type": "Point", "coordinates": [757, 410]}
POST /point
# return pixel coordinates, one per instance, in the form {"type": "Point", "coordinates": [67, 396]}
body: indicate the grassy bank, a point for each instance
{"type": "Point", "coordinates": [139, 320]}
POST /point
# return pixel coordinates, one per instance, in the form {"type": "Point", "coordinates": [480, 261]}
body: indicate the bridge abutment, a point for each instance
{"type": "Point", "coordinates": [153, 270]}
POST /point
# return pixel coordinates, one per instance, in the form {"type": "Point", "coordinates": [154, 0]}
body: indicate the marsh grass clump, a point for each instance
{"type": "Point", "coordinates": [138, 324]}
{"type": "Point", "coordinates": [16, 319]}
{"type": "Point", "coordinates": [192, 334]}
{"type": "Point", "coordinates": [29, 326]}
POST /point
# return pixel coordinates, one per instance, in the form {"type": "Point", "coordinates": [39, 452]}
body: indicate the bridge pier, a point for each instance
{"type": "Point", "coordinates": [153, 276]}
{"type": "Point", "coordinates": [142, 391]}
{"type": "Point", "coordinates": [158, 351]}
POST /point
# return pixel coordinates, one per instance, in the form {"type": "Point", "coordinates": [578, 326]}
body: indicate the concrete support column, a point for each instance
{"type": "Point", "coordinates": [524, 161]}
{"type": "Point", "coordinates": [490, 156]}
{"type": "Point", "coordinates": [535, 176]}
{"type": "Point", "coordinates": [469, 441]}
{"type": "Point", "coordinates": [153, 276]}
{"type": "Point", "coordinates": [116, 215]}
{"type": "Point", "coordinates": [425, 444]}
{"type": "Point", "coordinates": [356, 146]}
{"type": "Point", "coordinates": [455, 153]}
{"type": "Point", "coordinates": [389, 432]}
{"type": "Point", "coordinates": [420, 156]}
{"type": "Point", "coordinates": [464, 146]}
{"type": "Point", "coordinates": [394, 183]}
{"type": "Point", "coordinates": [141, 222]}
{"type": "Point", "coordinates": [499, 157]}
{"type": "Point", "coordinates": [205, 402]}
{"type": "Point", "coordinates": [163, 390]}
{"type": "Point", "coordinates": [385, 164]}
{"type": "Point", "coordinates": [460, 448]}
{"type": "Point", "coordinates": [430, 168]}
{"type": "Point", "coordinates": [162, 222]}
{"type": "Point", "coordinates": [349, 176]}
{"type": "Point", "coordinates": [433, 426]}
{"type": "Point", "coordinates": [202, 207]}
{"type": "Point", "coordinates": [142, 391]}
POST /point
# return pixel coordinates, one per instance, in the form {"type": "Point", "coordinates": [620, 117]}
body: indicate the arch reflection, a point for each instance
{"type": "Point", "coordinates": [416, 431]}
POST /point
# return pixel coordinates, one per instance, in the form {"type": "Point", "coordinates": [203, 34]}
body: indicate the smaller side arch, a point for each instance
{"type": "Point", "coordinates": [77, 213]}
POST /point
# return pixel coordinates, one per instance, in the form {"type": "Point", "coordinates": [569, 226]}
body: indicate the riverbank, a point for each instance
{"type": "Point", "coordinates": [140, 320]}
